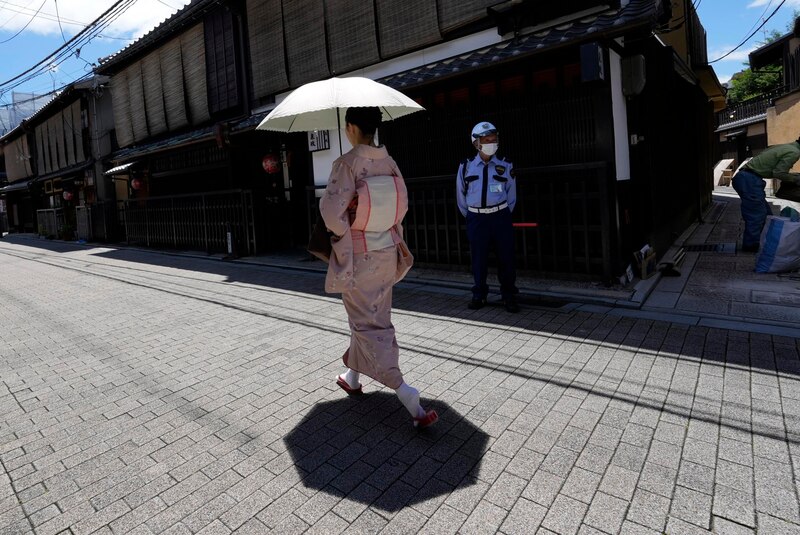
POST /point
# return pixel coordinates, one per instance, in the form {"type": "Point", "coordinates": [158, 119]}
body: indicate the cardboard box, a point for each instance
{"type": "Point", "coordinates": [645, 261]}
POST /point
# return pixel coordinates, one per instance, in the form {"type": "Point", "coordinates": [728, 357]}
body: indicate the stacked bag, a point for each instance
{"type": "Point", "coordinates": [779, 249]}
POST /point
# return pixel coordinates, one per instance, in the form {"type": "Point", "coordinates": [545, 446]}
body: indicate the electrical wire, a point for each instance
{"type": "Point", "coordinates": [63, 53]}
{"type": "Point", "coordinates": [23, 10]}
{"type": "Point", "coordinates": [101, 36]}
{"type": "Point", "coordinates": [39, 96]}
{"type": "Point", "coordinates": [166, 4]}
{"type": "Point", "coordinates": [737, 47]}
{"type": "Point", "coordinates": [27, 24]}
{"type": "Point", "coordinates": [761, 17]}
{"type": "Point", "coordinates": [58, 16]}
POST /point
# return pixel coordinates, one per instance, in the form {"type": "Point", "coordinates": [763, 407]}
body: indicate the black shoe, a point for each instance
{"type": "Point", "coordinates": [475, 304]}
{"type": "Point", "coordinates": [512, 306]}
{"type": "Point", "coordinates": [753, 248]}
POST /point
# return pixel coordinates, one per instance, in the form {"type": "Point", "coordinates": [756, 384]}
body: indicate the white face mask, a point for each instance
{"type": "Point", "coordinates": [489, 148]}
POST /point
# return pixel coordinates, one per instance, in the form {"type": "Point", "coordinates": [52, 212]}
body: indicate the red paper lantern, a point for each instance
{"type": "Point", "coordinates": [67, 195]}
{"type": "Point", "coordinates": [270, 163]}
{"type": "Point", "coordinates": [136, 184]}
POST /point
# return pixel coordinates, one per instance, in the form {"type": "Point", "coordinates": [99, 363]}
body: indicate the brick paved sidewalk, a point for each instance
{"type": "Point", "coordinates": [142, 393]}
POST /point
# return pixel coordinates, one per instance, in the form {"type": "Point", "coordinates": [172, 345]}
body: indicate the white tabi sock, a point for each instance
{"type": "Point", "coordinates": [351, 378]}
{"type": "Point", "coordinates": [409, 396]}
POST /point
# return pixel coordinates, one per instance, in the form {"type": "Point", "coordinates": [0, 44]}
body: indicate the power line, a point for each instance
{"type": "Point", "coordinates": [101, 36]}
{"type": "Point", "coordinates": [38, 96]}
{"type": "Point", "coordinates": [761, 17]}
{"type": "Point", "coordinates": [61, 54]}
{"type": "Point", "coordinates": [27, 24]}
{"type": "Point", "coordinates": [166, 4]}
{"type": "Point", "coordinates": [59, 21]}
{"type": "Point", "coordinates": [23, 10]}
{"type": "Point", "coordinates": [749, 36]}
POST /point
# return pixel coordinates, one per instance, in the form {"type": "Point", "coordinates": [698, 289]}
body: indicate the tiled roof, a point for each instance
{"type": "Point", "coordinates": [52, 104]}
{"type": "Point", "coordinates": [611, 23]}
{"type": "Point", "coordinates": [195, 136]}
{"type": "Point", "coordinates": [741, 122]}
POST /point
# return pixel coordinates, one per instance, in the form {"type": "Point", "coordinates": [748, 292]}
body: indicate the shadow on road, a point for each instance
{"type": "Point", "coordinates": [652, 343]}
{"type": "Point", "coordinates": [365, 448]}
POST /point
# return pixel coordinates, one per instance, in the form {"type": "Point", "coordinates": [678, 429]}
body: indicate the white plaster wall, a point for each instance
{"type": "Point", "coordinates": [620, 111]}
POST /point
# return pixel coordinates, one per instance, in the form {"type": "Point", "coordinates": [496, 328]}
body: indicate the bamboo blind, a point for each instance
{"type": "Point", "coordinates": [120, 98]}
{"type": "Point", "coordinates": [352, 40]}
{"type": "Point", "coordinates": [51, 142]}
{"type": "Point", "coordinates": [136, 92]}
{"type": "Point", "coordinates": [153, 94]}
{"type": "Point", "coordinates": [172, 83]}
{"type": "Point", "coordinates": [17, 162]}
{"type": "Point", "coordinates": [26, 156]}
{"type": "Point", "coordinates": [61, 154]}
{"type": "Point", "coordinates": [193, 56]}
{"type": "Point", "coordinates": [265, 29]}
{"type": "Point", "coordinates": [407, 25]}
{"type": "Point", "coordinates": [456, 13]}
{"type": "Point", "coordinates": [70, 130]}
{"type": "Point", "coordinates": [46, 148]}
{"type": "Point", "coordinates": [40, 165]}
{"type": "Point", "coordinates": [77, 124]}
{"type": "Point", "coordinates": [221, 60]}
{"type": "Point", "coordinates": [304, 33]}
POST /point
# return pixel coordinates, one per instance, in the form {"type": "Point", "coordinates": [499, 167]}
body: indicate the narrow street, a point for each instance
{"type": "Point", "coordinates": [150, 393]}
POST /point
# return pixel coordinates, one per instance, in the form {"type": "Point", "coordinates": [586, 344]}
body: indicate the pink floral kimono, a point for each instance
{"type": "Point", "coordinates": [369, 255]}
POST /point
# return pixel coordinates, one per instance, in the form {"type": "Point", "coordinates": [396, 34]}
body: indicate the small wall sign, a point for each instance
{"type": "Point", "coordinates": [318, 140]}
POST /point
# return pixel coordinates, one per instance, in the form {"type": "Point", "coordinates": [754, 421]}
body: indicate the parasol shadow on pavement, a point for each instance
{"type": "Point", "coordinates": [365, 449]}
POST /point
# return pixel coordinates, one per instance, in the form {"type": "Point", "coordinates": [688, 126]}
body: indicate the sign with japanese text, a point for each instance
{"type": "Point", "coordinates": [318, 140]}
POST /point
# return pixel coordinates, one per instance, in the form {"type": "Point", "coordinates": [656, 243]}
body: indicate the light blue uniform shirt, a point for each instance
{"type": "Point", "coordinates": [485, 184]}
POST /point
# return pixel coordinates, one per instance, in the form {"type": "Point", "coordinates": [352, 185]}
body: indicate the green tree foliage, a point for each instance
{"type": "Point", "coordinates": [748, 84]}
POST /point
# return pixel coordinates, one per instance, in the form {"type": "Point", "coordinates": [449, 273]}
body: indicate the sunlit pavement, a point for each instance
{"type": "Point", "coordinates": [149, 393]}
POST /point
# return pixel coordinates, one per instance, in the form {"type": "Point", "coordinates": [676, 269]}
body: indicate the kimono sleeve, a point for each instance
{"type": "Point", "coordinates": [338, 194]}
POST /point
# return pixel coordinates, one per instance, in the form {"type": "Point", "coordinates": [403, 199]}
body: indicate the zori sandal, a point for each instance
{"type": "Point", "coordinates": [347, 388]}
{"type": "Point", "coordinates": [429, 419]}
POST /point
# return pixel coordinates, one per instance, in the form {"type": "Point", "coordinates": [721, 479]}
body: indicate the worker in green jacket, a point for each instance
{"type": "Point", "coordinates": [775, 162]}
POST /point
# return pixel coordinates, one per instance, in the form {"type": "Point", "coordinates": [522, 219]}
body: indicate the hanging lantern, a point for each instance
{"type": "Point", "coordinates": [136, 184]}
{"type": "Point", "coordinates": [67, 195]}
{"type": "Point", "coordinates": [270, 163]}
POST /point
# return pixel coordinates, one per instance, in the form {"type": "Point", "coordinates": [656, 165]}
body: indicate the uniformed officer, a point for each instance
{"type": "Point", "coordinates": [486, 193]}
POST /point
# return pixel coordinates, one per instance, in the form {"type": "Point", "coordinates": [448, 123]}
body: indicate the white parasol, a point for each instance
{"type": "Point", "coordinates": [322, 105]}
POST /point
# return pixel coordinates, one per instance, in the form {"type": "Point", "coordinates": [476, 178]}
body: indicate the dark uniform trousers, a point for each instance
{"type": "Point", "coordinates": [483, 231]}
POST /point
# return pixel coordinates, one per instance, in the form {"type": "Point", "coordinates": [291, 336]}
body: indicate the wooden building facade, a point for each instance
{"type": "Point", "coordinates": [609, 127]}
{"type": "Point", "coordinates": [53, 159]}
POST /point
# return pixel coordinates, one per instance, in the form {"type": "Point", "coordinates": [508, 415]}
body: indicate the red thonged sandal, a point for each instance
{"type": "Point", "coordinates": [347, 388]}
{"type": "Point", "coordinates": [429, 419]}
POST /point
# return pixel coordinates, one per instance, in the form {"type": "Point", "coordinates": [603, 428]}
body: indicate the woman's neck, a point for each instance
{"type": "Point", "coordinates": [369, 141]}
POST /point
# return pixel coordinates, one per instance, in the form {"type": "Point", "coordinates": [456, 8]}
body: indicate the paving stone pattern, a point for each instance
{"type": "Point", "coordinates": [143, 393]}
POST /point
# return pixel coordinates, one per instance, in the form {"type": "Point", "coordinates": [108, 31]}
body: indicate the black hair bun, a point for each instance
{"type": "Point", "coordinates": [367, 118]}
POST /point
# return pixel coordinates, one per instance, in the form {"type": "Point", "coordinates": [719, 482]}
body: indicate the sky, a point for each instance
{"type": "Point", "coordinates": [729, 22]}
{"type": "Point", "coordinates": [30, 32]}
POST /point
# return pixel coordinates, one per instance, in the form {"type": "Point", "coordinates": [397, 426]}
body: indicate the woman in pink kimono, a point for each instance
{"type": "Point", "coordinates": [364, 202]}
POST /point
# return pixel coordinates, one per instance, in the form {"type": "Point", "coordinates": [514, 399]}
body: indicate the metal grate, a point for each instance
{"type": "Point", "coordinates": [710, 248]}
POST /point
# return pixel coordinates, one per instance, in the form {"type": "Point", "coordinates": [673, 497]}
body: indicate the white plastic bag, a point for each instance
{"type": "Point", "coordinates": [780, 246]}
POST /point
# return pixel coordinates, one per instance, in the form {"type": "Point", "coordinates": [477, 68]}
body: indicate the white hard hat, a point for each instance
{"type": "Point", "coordinates": [482, 129]}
